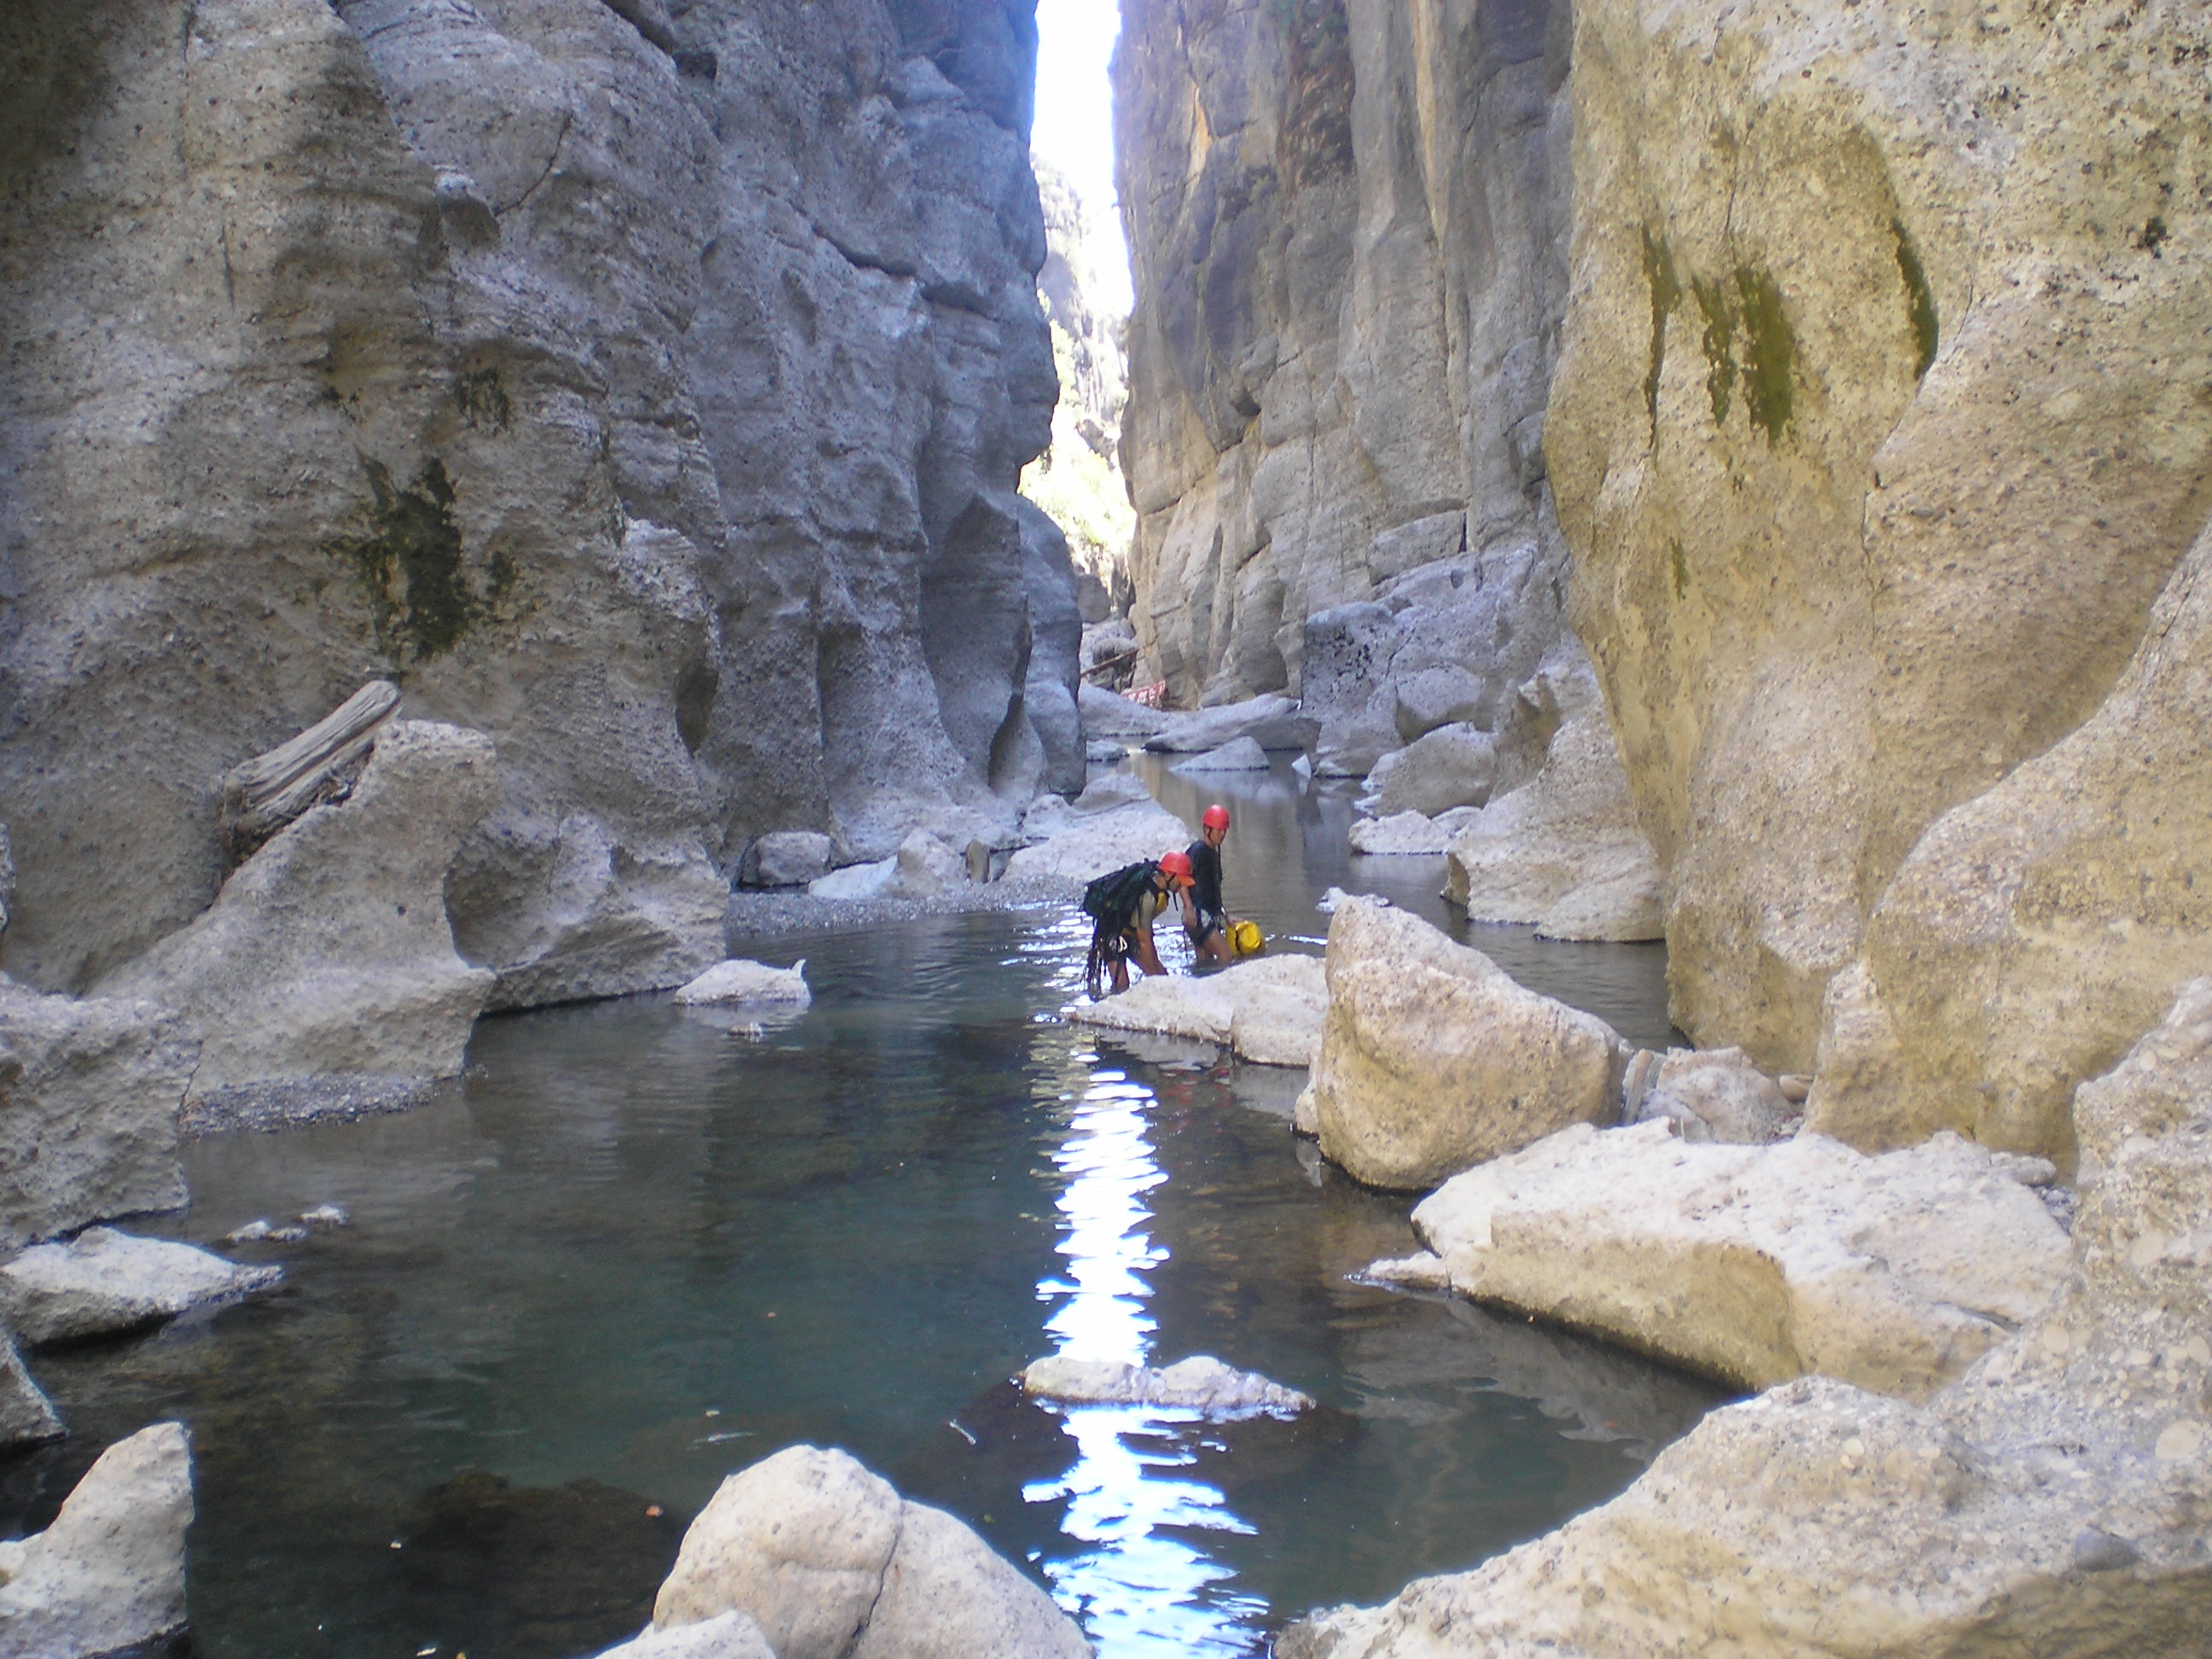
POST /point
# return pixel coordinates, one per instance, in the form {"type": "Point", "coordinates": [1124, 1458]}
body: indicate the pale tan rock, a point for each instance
{"type": "Point", "coordinates": [1563, 853]}
{"type": "Point", "coordinates": [1716, 1095]}
{"type": "Point", "coordinates": [741, 982]}
{"type": "Point", "coordinates": [109, 1573]}
{"type": "Point", "coordinates": [329, 951]}
{"type": "Point", "coordinates": [1870, 455]}
{"type": "Point", "coordinates": [103, 1281]}
{"type": "Point", "coordinates": [89, 1097]}
{"type": "Point", "coordinates": [1095, 843]}
{"type": "Point", "coordinates": [1409, 835]}
{"type": "Point", "coordinates": [1451, 767]}
{"type": "Point", "coordinates": [829, 1564]}
{"type": "Point", "coordinates": [1200, 1384]}
{"type": "Point", "coordinates": [2033, 929]}
{"type": "Point", "coordinates": [1758, 1264]}
{"type": "Point", "coordinates": [1433, 1059]}
{"type": "Point", "coordinates": [1269, 1011]}
{"type": "Point", "coordinates": [2052, 1499]}
{"type": "Point", "coordinates": [725, 1636]}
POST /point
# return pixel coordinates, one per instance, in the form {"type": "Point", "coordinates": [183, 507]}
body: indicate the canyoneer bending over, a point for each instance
{"type": "Point", "coordinates": [1122, 907]}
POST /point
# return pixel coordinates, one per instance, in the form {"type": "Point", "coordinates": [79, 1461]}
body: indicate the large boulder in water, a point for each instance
{"type": "Point", "coordinates": [830, 1563]}
{"type": "Point", "coordinates": [1433, 1059]}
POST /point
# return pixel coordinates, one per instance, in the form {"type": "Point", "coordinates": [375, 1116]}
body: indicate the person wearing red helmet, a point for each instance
{"type": "Point", "coordinates": [1124, 906]}
{"type": "Point", "coordinates": [1205, 917]}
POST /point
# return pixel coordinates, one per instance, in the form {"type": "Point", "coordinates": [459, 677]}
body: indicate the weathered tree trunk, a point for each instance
{"type": "Point", "coordinates": [263, 794]}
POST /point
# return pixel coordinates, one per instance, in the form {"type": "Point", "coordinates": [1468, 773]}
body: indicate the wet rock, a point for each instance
{"type": "Point", "coordinates": [27, 1416]}
{"type": "Point", "coordinates": [725, 1636]}
{"type": "Point", "coordinates": [1996, 1517]}
{"type": "Point", "coordinates": [1564, 852]}
{"type": "Point", "coordinates": [738, 981]}
{"type": "Point", "coordinates": [1269, 1011]}
{"type": "Point", "coordinates": [1758, 1264]}
{"type": "Point", "coordinates": [328, 1216]}
{"type": "Point", "coordinates": [1433, 1059]}
{"type": "Point", "coordinates": [89, 1099]}
{"type": "Point", "coordinates": [1718, 1095]}
{"type": "Point", "coordinates": [1103, 753]}
{"type": "Point", "coordinates": [789, 858]}
{"type": "Point", "coordinates": [828, 1562]}
{"type": "Point", "coordinates": [329, 952]}
{"type": "Point", "coordinates": [1453, 766]}
{"type": "Point", "coordinates": [1269, 721]}
{"type": "Point", "coordinates": [104, 1281]}
{"type": "Point", "coordinates": [1237, 755]}
{"type": "Point", "coordinates": [1199, 1383]}
{"type": "Point", "coordinates": [109, 1573]}
{"type": "Point", "coordinates": [1407, 835]}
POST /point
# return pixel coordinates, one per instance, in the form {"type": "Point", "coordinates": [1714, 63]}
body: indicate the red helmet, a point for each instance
{"type": "Point", "coordinates": [1176, 865]}
{"type": "Point", "coordinates": [1216, 817]}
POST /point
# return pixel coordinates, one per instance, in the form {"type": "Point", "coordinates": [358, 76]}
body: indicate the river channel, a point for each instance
{"type": "Point", "coordinates": [641, 1247]}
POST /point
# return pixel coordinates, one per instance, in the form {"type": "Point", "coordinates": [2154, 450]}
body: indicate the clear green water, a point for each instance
{"type": "Point", "coordinates": [644, 1246]}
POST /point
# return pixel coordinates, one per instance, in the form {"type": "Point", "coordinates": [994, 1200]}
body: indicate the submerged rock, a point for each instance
{"type": "Point", "coordinates": [828, 1562]}
{"type": "Point", "coordinates": [1433, 1059]}
{"type": "Point", "coordinates": [1269, 1011]}
{"type": "Point", "coordinates": [2052, 1499]}
{"type": "Point", "coordinates": [109, 1574]}
{"type": "Point", "coordinates": [738, 981]}
{"type": "Point", "coordinates": [328, 953]}
{"type": "Point", "coordinates": [104, 1281]}
{"type": "Point", "coordinates": [1758, 1264]}
{"type": "Point", "coordinates": [1199, 1383]}
{"type": "Point", "coordinates": [89, 1099]}
{"type": "Point", "coordinates": [1238, 754]}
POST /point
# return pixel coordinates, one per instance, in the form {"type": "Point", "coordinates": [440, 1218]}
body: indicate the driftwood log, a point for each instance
{"type": "Point", "coordinates": [263, 794]}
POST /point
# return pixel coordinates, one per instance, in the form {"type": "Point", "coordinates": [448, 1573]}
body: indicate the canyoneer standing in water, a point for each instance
{"type": "Point", "coordinates": [1205, 917]}
{"type": "Point", "coordinates": [1122, 907]}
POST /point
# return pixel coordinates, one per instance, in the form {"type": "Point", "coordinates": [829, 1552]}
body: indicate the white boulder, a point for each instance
{"type": "Point", "coordinates": [1237, 755]}
{"type": "Point", "coordinates": [1268, 1010]}
{"type": "Point", "coordinates": [1452, 766]}
{"type": "Point", "coordinates": [1709, 1095]}
{"type": "Point", "coordinates": [787, 858]}
{"type": "Point", "coordinates": [1199, 1383]}
{"type": "Point", "coordinates": [1758, 1264]}
{"type": "Point", "coordinates": [741, 982]}
{"type": "Point", "coordinates": [1409, 835]}
{"type": "Point", "coordinates": [89, 1099]}
{"type": "Point", "coordinates": [328, 952]}
{"type": "Point", "coordinates": [725, 1636]}
{"type": "Point", "coordinates": [830, 1563]}
{"type": "Point", "coordinates": [1271, 722]}
{"type": "Point", "coordinates": [104, 1281]}
{"type": "Point", "coordinates": [1094, 843]}
{"type": "Point", "coordinates": [109, 1574]}
{"type": "Point", "coordinates": [1433, 1060]}
{"type": "Point", "coordinates": [1109, 714]}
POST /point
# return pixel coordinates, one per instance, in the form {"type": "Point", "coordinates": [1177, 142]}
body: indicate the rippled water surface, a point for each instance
{"type": "Point", "coordinates": [644, 1246]}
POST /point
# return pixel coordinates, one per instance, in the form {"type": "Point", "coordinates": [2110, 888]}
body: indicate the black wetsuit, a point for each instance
{"type": "Point", "coordinates": [1206, 890]}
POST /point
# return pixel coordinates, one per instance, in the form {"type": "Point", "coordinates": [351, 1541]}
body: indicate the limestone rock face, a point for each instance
{"type": "Point", "coordinates": [2054, 1498]}
{"type": "Point", "coordinates": [103, 1281]}
{"type": "Point", "coordinates": [109, 1574]}
{"type": "Point", "coordinates": [1348, 223]}
{"type": "Point", "coordinates": [328, 953]}
{"type": "Point", "coordinates": [1867, 442]}
{"type": "Point", "coordinates": [647, 388]}
{"type": "Point", "coordinates": [1433, 1060]}
{"type": "Point", "coordinates": [89, 1099]}
{"type": "Point", "coordinates": [1758, 1264]}
{"type": "Point", "coordinates": [1564, 852]}
{"type": "Point", "coordinates": [2034, 928]}
{"type": "Point", "coordinates": [1269, 1011]}
{"type": "Point", "coordinates": [828, 1562]}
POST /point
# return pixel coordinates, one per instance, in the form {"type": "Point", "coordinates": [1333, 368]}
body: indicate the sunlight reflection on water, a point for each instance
{"type": "Point", "coordinates": [1142, 1589]}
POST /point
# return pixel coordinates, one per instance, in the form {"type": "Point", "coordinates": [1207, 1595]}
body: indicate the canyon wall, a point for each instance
{"type": "Point", "coordinates": [1348, 223]}
{"type": "Point", "coordinates": [644, 385]}
{"type": "Point", "coordinates": [1882, 423]}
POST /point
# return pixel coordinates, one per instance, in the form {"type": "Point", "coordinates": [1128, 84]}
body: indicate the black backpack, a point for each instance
{"type": "Point", "coordinates": [1112, 900]}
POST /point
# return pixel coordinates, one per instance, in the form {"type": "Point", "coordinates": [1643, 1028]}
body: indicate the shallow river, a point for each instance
{"type": "Point", "coordinates": [644, 1246]}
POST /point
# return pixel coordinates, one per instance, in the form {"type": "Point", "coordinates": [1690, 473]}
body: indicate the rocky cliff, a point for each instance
{"type": "Point", "coordinates": [643, 385]}
{"type": "Point", "coordinates": [1880, 425]}
{"type": "Point", "coordinates": [1348, 222]}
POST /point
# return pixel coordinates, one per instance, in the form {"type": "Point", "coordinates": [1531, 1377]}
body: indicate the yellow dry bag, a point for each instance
{"type": "Point", "coordinates": [1247, 939]}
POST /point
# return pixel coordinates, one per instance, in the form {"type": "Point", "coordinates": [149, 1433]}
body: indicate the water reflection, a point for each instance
{"type": "Point", "coordinates": [1140, 1589]}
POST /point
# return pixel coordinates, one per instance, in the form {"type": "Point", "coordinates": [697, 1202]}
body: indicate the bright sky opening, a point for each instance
{"type": "Point", "coordinates": [1075, 124]}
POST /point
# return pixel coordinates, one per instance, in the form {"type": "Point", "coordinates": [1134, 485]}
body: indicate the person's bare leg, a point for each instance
{"type": "Point", "coordinates": [1120, 975]}
{"type": "Point", "coordinates": [1217, 948]}
{"type": "Point", "coordinates": [1147, 955]}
